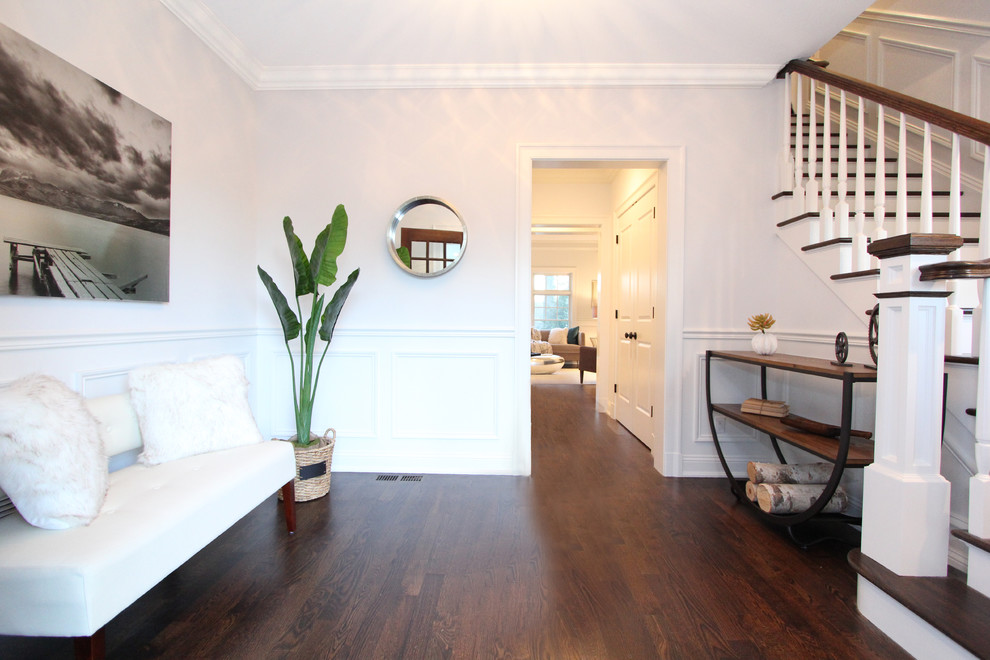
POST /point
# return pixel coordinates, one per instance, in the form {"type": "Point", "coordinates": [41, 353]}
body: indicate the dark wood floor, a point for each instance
{"type": "Point", "coordinates": [595, 556]}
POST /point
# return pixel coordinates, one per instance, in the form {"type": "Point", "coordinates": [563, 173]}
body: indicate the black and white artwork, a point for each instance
{"type": "Point", "coordinates": [85, 183]}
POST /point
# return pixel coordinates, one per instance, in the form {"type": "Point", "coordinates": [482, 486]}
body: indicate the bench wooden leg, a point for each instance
{"type": "Point", "coordinates": [93, 647]}
{"type": "Point", "coordinates": [289, 505]}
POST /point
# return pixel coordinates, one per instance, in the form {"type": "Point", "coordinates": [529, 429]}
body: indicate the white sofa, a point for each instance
{"type": "Point", "coordinates": [71, 582]}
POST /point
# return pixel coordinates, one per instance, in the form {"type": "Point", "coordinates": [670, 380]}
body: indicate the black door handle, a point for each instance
{"type": "Point", "coordinates": [632, 335]}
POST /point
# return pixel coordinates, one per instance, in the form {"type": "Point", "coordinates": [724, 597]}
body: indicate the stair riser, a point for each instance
{"type": "Point", "coordinates": [978, 571]}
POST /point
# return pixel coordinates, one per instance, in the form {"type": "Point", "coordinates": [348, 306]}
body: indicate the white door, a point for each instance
{"type": "Point", "coordinates": [636, 231]}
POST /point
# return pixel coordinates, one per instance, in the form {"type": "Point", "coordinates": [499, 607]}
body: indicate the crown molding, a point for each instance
{"type": "Point", "coordinates": [977, 28]}
{"type": "Point", "coordinates": [514, 76]}
{"type": "Point", "coordinates": [217, 37]}
{"type": "Point", "coordinates": [235, 54]}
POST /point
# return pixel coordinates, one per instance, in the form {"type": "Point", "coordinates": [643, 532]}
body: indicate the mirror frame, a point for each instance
{"type": "Point", "coordinates": [406, 207]}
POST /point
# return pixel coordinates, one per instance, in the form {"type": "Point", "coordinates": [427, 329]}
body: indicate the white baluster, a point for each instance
{"type": "Point", "coordinates": [786, 165]}
{"type": "Point", "coordinates": [926, 182]}
{"type": "Point", "coordinates": [901, 221]}
{"type": "Point", "coordinates": [841, 205]}
{"type": "Point", "coordinates": [985, 207]}
{"type": "Point", "coordinates": [811, 187]}
{"type": "Point", "coordinates": [978, 575]}
{"type": "Point", "coordinates": [955, 196]}
{"type": "Point", "coordinates": [825, 215]}
{"type": "Point", "coordinates": [984, 253]}
{"type": "Point", "coordinates": [797, 195]}
{"type": "Point", "coordinates": [880, 182]}
{"type": "Point", "coordinates": [958, 327]}
{"type": "Point", "coordinates": [862, 258]}
{"type": "Point", "coordinates": [979, 484]}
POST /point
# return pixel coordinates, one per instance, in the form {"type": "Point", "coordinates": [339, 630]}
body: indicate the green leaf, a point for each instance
{"type": "Point", "coordinates": [290, 324]}
{"type": "Point", "coordinates": [335, 245]}
{"type": "Point", "coordinates": [336, 304]}
{"type": "Point", "coordinates": [403, 253]}
{"type": "Point", "coordinates": [300, 264]}
{"type": "Point", "coordinates": [317, 256]}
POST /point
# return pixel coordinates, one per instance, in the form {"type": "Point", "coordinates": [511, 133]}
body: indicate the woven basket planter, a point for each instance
{"type": "Point", "coordinates": [313, 467]}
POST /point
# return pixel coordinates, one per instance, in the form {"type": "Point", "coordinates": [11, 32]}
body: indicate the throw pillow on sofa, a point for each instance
{"type": "Point", "coordinates": [192, 408]}
{"type": "Point", "coordinates": [573, 335]}
{"type": "Point", "coordinates": [52, 462]}
{"type": "Point", "coordinates": [558, 336]}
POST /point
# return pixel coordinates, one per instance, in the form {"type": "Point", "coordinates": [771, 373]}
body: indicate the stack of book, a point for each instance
{"type": "Point", "coordinates": [765, 407]}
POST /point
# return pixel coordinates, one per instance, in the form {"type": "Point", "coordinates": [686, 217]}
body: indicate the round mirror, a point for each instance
{"type": "Point", "coordinates": [427, 236]}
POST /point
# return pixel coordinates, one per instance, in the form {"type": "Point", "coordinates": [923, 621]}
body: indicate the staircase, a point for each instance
{"type": "Point", "coordinates": [835, 198]}
{"type": "Point", "coordinates": [899, 220]}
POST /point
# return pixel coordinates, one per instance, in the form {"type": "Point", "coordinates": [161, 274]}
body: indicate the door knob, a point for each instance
{"type": "Point", "coordinates": [632, 335]}
{"type": "Point", "coordinates": [627, 336]}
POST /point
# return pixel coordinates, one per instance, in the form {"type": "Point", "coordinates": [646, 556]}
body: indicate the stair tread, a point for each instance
{"type": "Point", "coordinates": [872, 193]}
{"type": "Point", "coordinates": [962, 614]}
{"type": "Point", "coordinates": [972, 539]}
{"type": "Point", "coordinates": [842, 240]}
{"type": "Point", "coordinates": [873, 272]}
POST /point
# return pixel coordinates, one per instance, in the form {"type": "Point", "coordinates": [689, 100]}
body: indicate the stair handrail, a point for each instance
{"type": "Point", "coordinates": [957, 122]}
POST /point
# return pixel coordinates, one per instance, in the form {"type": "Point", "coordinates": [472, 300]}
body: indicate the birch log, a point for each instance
{"type": "Point", "coordinates": [798, 473]}
{"type": "Point", "coordinates": [795, 498]}
{"type": "Point", "coordinates": [750, 491]}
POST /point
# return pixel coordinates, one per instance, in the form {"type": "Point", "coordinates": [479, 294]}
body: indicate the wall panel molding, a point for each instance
{"type": "Point", "coordinates": [980, 98]}
{"type": "Point", "coordinates": [976, 28]}
{"type": "Point", "coordinates": [68, 340]}
{"type": "Point", "coordinates": [887, 50]}
{"type": "Point", "coordinates": [429, 400]}
{"type": "Point", "coordinates": [407, 333]}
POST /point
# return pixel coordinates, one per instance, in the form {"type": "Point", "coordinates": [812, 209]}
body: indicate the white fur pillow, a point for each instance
{"type": "Point", "coordinates": [192, 408]}
{"type": "Point", "coordinates": [558, 336]}
{"type": "Point", "coordinates": [52, 462]}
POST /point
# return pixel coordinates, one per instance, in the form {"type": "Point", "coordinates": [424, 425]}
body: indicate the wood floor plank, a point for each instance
{"type": "Point", "coordinates": [595, 555]}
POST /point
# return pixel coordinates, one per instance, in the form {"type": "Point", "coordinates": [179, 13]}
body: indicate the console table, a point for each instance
{"type": "Point", "coordinates": [843, 451]}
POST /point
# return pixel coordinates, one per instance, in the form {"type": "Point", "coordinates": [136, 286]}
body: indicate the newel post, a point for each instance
{"type": "Point", "coordinates": [905, 498]}
{"type": "Point", "coordinates": [978, 575]}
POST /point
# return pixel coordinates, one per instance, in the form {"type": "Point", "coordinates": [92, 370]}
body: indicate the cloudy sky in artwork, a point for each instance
{"type": "Point", "coordinates": [64, 127]}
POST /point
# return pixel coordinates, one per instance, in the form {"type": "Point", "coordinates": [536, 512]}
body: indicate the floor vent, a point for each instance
{"type": "Point", "coordinates": [387, 477]}
{"type": "Point", "coordinates": [411, 477]}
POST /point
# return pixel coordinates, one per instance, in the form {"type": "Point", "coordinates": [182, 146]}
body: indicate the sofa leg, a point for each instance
{"type": "Point", "coordinates": [581, 376]}
{"type": "Point", "coordinates": [93, 647]}
{"type": "Point", "coordinates": [289, 505]}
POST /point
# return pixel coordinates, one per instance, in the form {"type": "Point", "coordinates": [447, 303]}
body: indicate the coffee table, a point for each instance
{"type": "Point", "coordinates": [545, 364]}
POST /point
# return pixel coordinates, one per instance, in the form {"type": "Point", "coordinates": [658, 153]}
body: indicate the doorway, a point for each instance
{"type": "Point", "coordinates": [661, 372]}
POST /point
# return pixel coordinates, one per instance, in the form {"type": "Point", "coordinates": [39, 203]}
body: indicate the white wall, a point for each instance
{"type": "Point", "coordinates": [424, 374]}
{"type": "Point", "coordinates": [373, 149]}
{"type": "Point", "coordinates": [143, 51]}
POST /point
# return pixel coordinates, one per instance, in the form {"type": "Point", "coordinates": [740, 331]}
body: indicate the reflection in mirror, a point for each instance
{"type": "Point", "coordinates": [427, 236]}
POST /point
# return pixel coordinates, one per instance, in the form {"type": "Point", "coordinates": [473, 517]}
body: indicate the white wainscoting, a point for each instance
{"type": "Point", "coordinates": [420, 401]}
{"type": "Point", "coordinates": [410, 401]}
{"type": "Point", "coordinates": [97, 365]}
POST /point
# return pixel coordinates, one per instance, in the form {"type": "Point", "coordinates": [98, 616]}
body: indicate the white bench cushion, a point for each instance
{"type": "Point", "coordinates": [68, 583]}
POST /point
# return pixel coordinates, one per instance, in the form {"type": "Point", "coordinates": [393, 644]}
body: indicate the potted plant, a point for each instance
{"type": "Point", "coordinates": [764, 343]}
{"type": "Point", "coordinates": [313, 452]}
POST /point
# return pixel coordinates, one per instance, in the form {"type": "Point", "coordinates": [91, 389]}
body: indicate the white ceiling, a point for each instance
{"type": "Point", "coordinates": [348, 44]}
